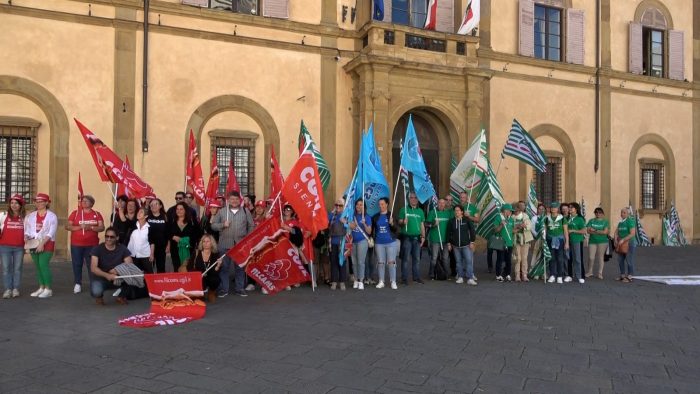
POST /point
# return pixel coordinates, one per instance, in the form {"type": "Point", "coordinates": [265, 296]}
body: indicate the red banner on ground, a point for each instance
{"type": "Point", "coordinates": [176, 298]}
{"type": "Point", "coordinates": [277, 266]}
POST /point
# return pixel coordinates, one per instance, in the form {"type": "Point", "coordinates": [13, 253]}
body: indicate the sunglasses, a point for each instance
{"type": "Point", "coordinates": [338, 205]}
{"type": "Point", "coordinates": [110, 237]}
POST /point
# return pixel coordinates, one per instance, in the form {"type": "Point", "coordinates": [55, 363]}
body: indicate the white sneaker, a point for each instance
{"type": "Point", "coordinates": [360, 286]}
{"type": "Point", "coordinates": [471, 282]}
{"type": "Point", "coordinates": [567, 279]}
{"type": "Point", "coordinates": [15, 293]}
{"type": "Point", "coordinates": [250, 287]}
{"type": "Point", "coordinates": [46, 293]}
{"type": "Point", "coordinates": [559, 280]}
{"type": "Point", "coordinates": [380, 285]}
{"type": "Point", "coordinates": [508, 278]}
{"type": "Point", "coordinates": [552, 279]}
{"type": "Point", "coordinates": [288, 288]}
{"type": "Point", "coordinates": [581, 281]}
{"type": "Point", "coordinates": [37, 292]}
{"type": "Point", "coordinates": [77, 289]}
{"type": "Point", "coordinates": [355, 284]}
{"type": "Point", "coordinates": [393, 286]}
{"type": "Point", "coordinates": [116, 293]}
{"type": "Point", "coordinates": [499, 279]}
{"type": "Point", "coordinates": [459, 280]}
{"type": "Point", "coordinates": [263, 291]}
{"type": "Point", "coordinates": [7, 294]}
{"type": "Point", "coordinates": [474, 277]}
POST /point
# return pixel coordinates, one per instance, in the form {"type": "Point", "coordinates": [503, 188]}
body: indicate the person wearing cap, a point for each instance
{"type": "Point", "coordinates": [12, 245]}
{"type": "Point", "coordinates": [85, 224]}
{"type": "Point", "coordinates": [260, 212]}
{"type": "Point", "coordinates": [504, 229]}
{"type": "Point", "coordinates": [40, 230]}
{"type": "Point", "coordinates": [205, 221]}
{"type": "Point", "coordinates": [558, 240]}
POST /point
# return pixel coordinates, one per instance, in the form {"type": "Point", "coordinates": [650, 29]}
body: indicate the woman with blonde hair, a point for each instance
{"type": "Point", "coordinates": [207, 255]}
{"type": "Point", "coordinates": [40, 238]}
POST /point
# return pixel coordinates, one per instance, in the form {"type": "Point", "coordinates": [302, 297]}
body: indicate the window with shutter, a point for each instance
{"type": "Point", "coordinates": [445, 16]}
{"type": "Point", "coordinates": [675, 55]}
{"type": "Point", "coordinates": [276, 8]}
{"type": "Point", "coordinates": [575, 33]}
{"type": "Point", "coordinates": [548, 33]}
{"type": "Point", "coordinates": [526, 23]}
{"type": "Point", "coordinates": [635, 48]}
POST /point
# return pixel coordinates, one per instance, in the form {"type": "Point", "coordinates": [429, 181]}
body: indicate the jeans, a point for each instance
{"type": "Point", "coordinates": [369, 264]}
{"type": "Point", "coordinates": [338, 273]}
{"type": "Point", "coordinates": [238, 276]}
{"type": "Point", "coordinates": [359, 255]}
{"type": "Point", "coordinates": [627, 258]}
{"type": "Point", "coordinates": [465, 262]}
{"type": "Point", "coordinates": [98, 285]}
{"type": "Point", "coordinates": [556, 264]}
{"type": "Point", "coordinates": [410, 249]}
{"type": "Point", "coordinates": [444, 256]}
{"type": "Point", "coordinates": [504, 256]}
{"type": "Point", "coordinates": [80, 255]}
{"type": "Point", "coordinates": [386, 255]}
{"type": "Point", "coordinates": [11, 266]}
{"type": "Point", "coordinates": [576, 257]}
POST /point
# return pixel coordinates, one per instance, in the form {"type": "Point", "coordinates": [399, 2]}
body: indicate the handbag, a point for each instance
{"type": "Point", "coordinates": [496, 243]}
{"type": "Point", "coordinates": [30, 245]}
{"type": "Point", "coordinates": [622, 247]}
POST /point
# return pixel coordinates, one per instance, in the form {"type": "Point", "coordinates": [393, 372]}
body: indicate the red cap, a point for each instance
{"type": "Point", "coordinates": [42, 197]}
{"type": "Point", "coordinates": [18, 198]}
{"type": "Point", "coordinates": [214, 204]}
{"type": "Point", "coordinates": [261, 203]}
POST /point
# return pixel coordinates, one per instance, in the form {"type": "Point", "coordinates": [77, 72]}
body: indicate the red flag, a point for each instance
{"type": "Point", "coordinates": [276, 178]}
{"type": "Point", "coordinates": [92, 143]}
{"type": "Point", "coordinates": [194, 178]}
{"type": "Point", "coordinates": [253, 242]}
{"type": "Point", "coordinates": [213, 185]}
{"type": "Point", "coordinates": [123, 174]}
{"type": "Point", "coordinates": [80, 190]}
{"type": "Point", "coordinates": [231, 181]}
{"type": "Point", "coordinates": [121, 188]}
{"type": "Point", "coordinates": [431, 18]}
{"type": "Point", "coordinates": [176, 298]}
{"type": "Point", "coordinates": [277, 266]}
{"type": "Point", "coordinates": [302, 191]}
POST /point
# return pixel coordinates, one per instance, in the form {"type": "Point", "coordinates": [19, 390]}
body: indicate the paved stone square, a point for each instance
{"type": "Point", "coordinates": [601, 337]}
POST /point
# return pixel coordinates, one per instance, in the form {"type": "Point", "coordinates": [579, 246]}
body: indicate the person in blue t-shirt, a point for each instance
{"type": "Point", "coordinates": [386, 243]}
{"type": "Point", "coordinates": [336, 232]}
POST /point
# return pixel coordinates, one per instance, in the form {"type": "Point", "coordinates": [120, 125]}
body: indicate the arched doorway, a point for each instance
{"type": "Point", "coordinates": [428, 129]}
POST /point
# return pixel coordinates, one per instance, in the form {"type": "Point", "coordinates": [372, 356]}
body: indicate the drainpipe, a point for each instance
{"type": "Point", "coordinates": [597, 87]}
{"type": "Point", "coordinates": [144, 110]}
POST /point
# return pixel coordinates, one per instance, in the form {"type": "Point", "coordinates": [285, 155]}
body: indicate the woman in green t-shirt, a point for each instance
{"type": "Point", "coordinates": [625, 233]}
{"type": "Point", "coordinates": [598, 229]}
{"type": "Point", "coordinates": [577, 231]}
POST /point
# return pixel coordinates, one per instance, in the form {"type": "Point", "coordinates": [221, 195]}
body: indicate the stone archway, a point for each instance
{"type": "Point", "coordinates": [438, 140]}
{"type": "Point", "coordinates": [257, 112]}
{"type": "Point", "coordinates": [669, 164]}
{"type": "Point", "coordinates": [569, 156]}
{"type": "Point", "coordinates": [59, 129]}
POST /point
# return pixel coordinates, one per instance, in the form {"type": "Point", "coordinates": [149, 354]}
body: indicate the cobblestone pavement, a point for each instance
{"type": "Point", "coordinates": [601, 337]}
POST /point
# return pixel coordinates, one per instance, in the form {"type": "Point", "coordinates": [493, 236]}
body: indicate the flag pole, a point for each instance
{"type": "Point", "coordinates": [499, 164]}
{"type": "Point", "coordinates": [405, 205]}
{"type": "Point", "coordinates": [438, 226]}
{"type": "Point", "coordinates": [114, 199]}
{"type": "Point", "coordinates": [396, 186]}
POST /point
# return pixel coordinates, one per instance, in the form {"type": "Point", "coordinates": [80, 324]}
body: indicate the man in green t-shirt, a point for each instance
{"type": "Point", "coordinates": [438, 218]}
{"type": "Point", "coordinates": [411, 220]}
{"type": "Point", "coordinates": [598, 228]}
{"type": "Point", "coordinates": [469, 207]}
{"type": "Point", "coordinates": [504, 229]}
{"type": "Point", "coordinates": [558, 240]}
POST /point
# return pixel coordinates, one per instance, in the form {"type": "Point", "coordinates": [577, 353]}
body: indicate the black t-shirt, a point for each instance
{"type": "Point", "coordinates": [158, 227]}
{"type": "Point", "coordinates": [108, 259]}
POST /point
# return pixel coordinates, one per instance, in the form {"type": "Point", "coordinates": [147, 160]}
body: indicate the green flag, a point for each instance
{"type": "Point", "coordinates": [323, 172]}
{"type": "Point", "coordinates": [542, 256]}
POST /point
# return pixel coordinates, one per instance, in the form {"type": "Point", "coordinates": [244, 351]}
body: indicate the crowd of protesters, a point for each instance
{"type": "Point", "coordinates": [143, 233]}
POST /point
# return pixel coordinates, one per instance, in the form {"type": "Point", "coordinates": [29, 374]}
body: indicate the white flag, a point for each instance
{"type": "Point", "coordinates": [471, 17]}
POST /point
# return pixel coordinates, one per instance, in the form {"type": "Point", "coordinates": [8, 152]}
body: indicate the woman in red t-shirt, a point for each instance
{"type": "Point", "coordinates": [12, 246]}
{"type": "Point", "coordinates": [85, 224]}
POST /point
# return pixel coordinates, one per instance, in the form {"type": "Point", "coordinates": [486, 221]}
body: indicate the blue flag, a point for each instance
{"type": "Point", "coordinates": [371, 180]}
{"type": "Point", "coordinates": [378, 10]}
{"type": "Point", "coordinates": [412, 161]}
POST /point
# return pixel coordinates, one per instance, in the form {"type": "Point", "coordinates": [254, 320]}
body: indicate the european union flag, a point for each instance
{"type": "Point", "coordinates": [379, 10]}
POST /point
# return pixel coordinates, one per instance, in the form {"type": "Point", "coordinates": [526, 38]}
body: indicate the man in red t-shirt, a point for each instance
{"type": "Point", "coordinates": [85, 224]}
